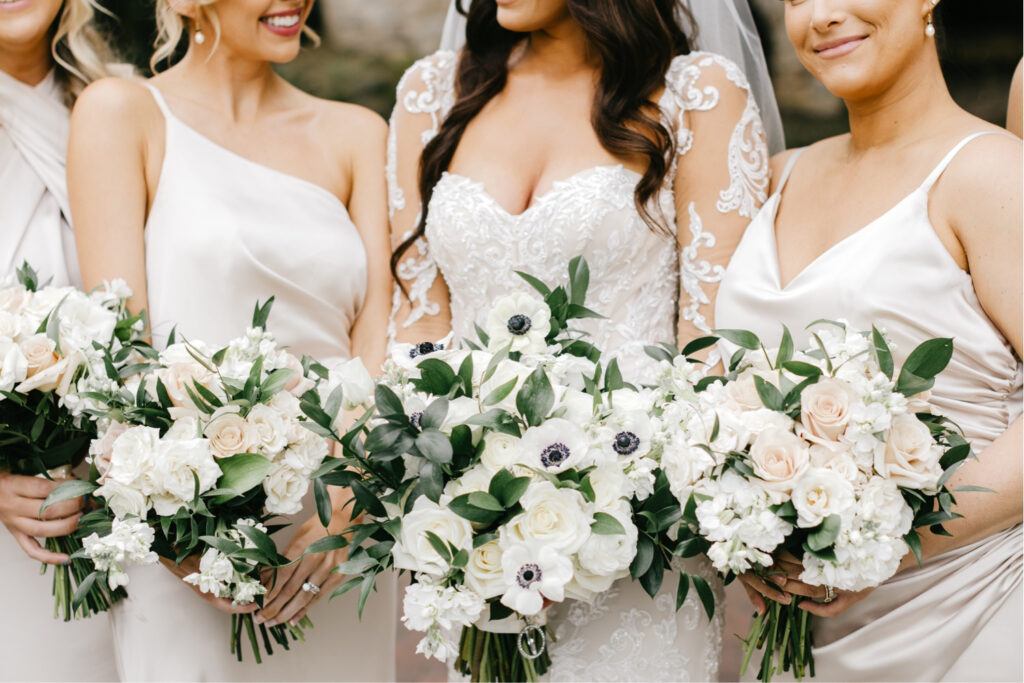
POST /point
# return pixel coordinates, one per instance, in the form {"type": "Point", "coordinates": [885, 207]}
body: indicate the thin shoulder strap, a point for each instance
{"type": "Point", "coordinates": [933, 177]}
{"type": "Point", "coordinates": [788, 169]}
{"type": "Point", "coordinates": [160, 101]}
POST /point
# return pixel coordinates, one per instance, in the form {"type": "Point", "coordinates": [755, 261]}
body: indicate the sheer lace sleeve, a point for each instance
{"type": "Point", "coordinates": [426, 94]}
{"type": "Point", "coordinates": [721, 180]}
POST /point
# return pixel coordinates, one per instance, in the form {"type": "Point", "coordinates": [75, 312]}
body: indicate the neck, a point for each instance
{"type": "Point", "coordinates": [561, 49]}
{"type": "Point", "coordinates": [27, 63]}
{"type": "Point", "coordinates": [910, 108]}
{"type": "Point", "coordinates": [233, 86]}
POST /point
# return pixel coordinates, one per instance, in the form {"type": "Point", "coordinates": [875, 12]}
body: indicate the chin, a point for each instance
{"type": "Point", "coordinates": [517, 20]}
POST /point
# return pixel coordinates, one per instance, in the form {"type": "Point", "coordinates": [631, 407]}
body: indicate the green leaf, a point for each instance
{"type": "Point", "coordinates": [501, 393]}
{"type": "Point", "coordinates": [324, 509]}
{"type": "Point", "coordinates": [659, 354]}
{"type": "Point", "coordinates": [483, 539]}
{"type": "Point", "coordinates": [82, 592]}
{"type": "Point", "coordinates": [613, 376]}
{"type": "Point", "coordinates": [74, 488]}
{"type": "Point", "coordinates": [436, 377]}
{"type": "Point", "coordinates": [263, 542]}
{"type": "Point", "coordinates": [606, 525]}
{"type": "Point", "coordinates": [434, 446]}
{"type": "Point", "coordinates": [439, 546]}
{"type": "Point", "coordinates": [533, 282]}
{"type": "Point", "coordinates": [326, 545]}
{"type": "Point", "coordinates": [651, 580]}
{"type": "Point", "coordinates": [914, 541]}
{"type": "Point", "coordinates": [433, 417]}
{"type": "Point", "coordinates": [801, 368]}
{"type": "Point", "coordinates": [644, 557]}
{"type": "Point", "coordinates": [825, 534]}
{"type": "Point", "coordinates": [975, 489]}
{"type": "Point", "coordinates": [388, 404]}
{"type": "Point", "coordinates": [785, 348]}
{"type": "Point", "coordinates": [261, 314]}
{"type": "Point", "coordinates": [929, 359]}
{"type": "Point", "coordinates": [465, 509]}
{"type": "Point", "coordinates": [508, 488]}
{"type": "Point", "coordinates": [741, 338]}
{"type": "Point", "coordinates": [682, 588]}
{"type": "Point", "coordinates": [699, 344]}
{"type": "Point", "coordinates": [910, 384]}
{"type": "Point", "coordinates": [707, 596]}
{"type": "Point", "coordinates": [770, 395]}
{"type": "Point", "coordinates": [485, 501]}
{"type": "Point", "coordinates": [276, 381]}
{"type": "Point", "coordinates": [882, 353]}
{"type": "Point", "coordinates": [367, 500]}
{"type": "Point", "coordinates": [536, 398]}
{"type": "Point", "coordinates": [579, 280]}
{"type": "Point", "coordinates": [431, 481]}
{"type": "Point", "coordinates": [498, 420]}
{"type": "Point", "coordinates": [241, 472]}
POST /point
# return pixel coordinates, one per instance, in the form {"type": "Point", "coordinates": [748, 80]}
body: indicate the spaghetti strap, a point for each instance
{"type": "Point", "coordinates": [788, 169]}
{"type": "Point", "coordinates": [933, 177]}
{"type": "Point", "coordinates": [160, 101]}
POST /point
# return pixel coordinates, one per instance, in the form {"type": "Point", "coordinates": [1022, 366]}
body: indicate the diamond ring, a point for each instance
{"type": "Point", "coordinates": [830, 595]}
{"type": "Point", "coordinates": [311, 588]}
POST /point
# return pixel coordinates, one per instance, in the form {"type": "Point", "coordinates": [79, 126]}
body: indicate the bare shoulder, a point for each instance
{"type": "Point", "coordinates": [817, 153]}
{"type": "Point", "coordinates": [354, 127]}
{"type": "Point", "coordinates": [981, 188]}
{"type": "Point", "coordinates": [114, 101]}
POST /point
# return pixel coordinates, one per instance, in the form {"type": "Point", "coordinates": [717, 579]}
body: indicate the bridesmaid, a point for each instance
{"type": "Point", "coordinates": [912, 222]}
{"type": "Point", "coordinates": [212, 185]}
{"type": "Point", "coordinates": [49, 51]}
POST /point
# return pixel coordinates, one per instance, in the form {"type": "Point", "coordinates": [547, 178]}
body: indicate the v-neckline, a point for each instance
{"type": "Point", "coordinates": [772, 228]}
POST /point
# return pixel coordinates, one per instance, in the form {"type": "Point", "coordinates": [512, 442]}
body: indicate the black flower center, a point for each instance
{"type": "Point", "coordinates": [423, 348]}
{"type": "Point", "coordinates": [555, 454]}
{"type": "Point", "coordinates": [415, 418]}
{"type": "Point", "coordinates": [626, 443]}
{"type": "Point", "coordinates": [528, 575]}
{"type": "Point", "coordinates": [519, 324]}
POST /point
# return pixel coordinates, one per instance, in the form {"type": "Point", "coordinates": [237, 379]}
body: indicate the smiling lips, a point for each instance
{"type": "Point", "coordinates": [838, 47]}
{"type": "Point", "coordinates": [287, 23]}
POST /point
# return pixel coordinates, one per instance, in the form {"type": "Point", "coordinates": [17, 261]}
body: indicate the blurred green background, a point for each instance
{"type": "Point", "coordinates": [367, 44]}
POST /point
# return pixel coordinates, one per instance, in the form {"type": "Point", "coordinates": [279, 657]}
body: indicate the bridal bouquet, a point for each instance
{"type": "Point", "coordinates": [55, 342]}
{"type": "Point", "coordinates": [829, 454]}
{"type": "Point", "coordinates": [194, 459]}
{"type": "Point", "coordinates": [501, 476]}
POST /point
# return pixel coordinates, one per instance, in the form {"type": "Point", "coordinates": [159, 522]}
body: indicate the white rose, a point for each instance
{"type": "Point", "coordinates": [743, 390]}
{"type": "Point", "coordinates": [307, 454]}
{"type": "Point", "coordinates": [82, 321]}
{"type": "Point", "coordinates": [558, 518]}
{"type": "Point", "coordinates": [123, 499]}
{"type": "Point", "coordinates": [779, 459]}
{"type": "Point", "coordinates": [10, 326]}
{"type": "Point", "coordinates": [570, 371]}
{"type": "Point", "coordinates": [13, 366]}
{"type": "Point", "coordinates": [14, 299]}
{"type": "Point", "coordinates": [555, 446]}
{"type": "Point", "coordinates": [838, 458]}
{"type": "Point", "coordinates": [483, 571]}
{"type": "Point", "coordinates": [820, 494]}
{"type": "Point", "coordinates": [357, 385]}
{"type": "Point", "coordinates": [176, 466]}
{"type": "Point", "coordinates": [578, 406]}
{"type": "Point", "coordinates": [229, 433]}
{"type": "Point", "coordinates": [825, 408]}
{"type": "Point", "coordinates": [610, 486]}
{"type": "Point", "coordinates": [40, 351]}
{"type": "Point", "coordinates": [471, 481]}
{"type": "Point", "coordinates": [285, 489]}
{"type": "Point", "coordinates": [414, 552]}
{"type": "Point", "coordinates": [460, 410]}
{"type": "Point", "coordinates": [521, 320]}
{"type": "Point", "coordinates": [268, 428]}
{"type": "Point", "coordinates": [500, 451]}
{"type": "Point", "coordinates": [611, 554]}
{"type": "Point", "coordinates": [586, 585]}
{"type": "Point", "coordinates": [683, 465]}
{"type": "Point", "coordinates": [881, 504]}
{"type": "Point", "coordinates": [186, 427]}
{"type": "Point", "coordinates": [286, 405]}
{"type": "Point", "coordinates": [179, 378]}
{"type": "Point", "coordinates": [42, 303]}
{"type": "Point", "coordinates": [132, 456]}
{"type": "Point", "coordinates": [909, 457]}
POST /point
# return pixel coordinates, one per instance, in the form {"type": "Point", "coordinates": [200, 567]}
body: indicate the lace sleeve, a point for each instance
{"type": "Point", "coordinates": [721, 179]}
{"type": "Point", "coordinates": [426, 94]}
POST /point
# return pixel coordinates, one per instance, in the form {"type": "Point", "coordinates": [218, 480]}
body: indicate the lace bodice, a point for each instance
{"type": "Point", "coordinates": [637, 273]}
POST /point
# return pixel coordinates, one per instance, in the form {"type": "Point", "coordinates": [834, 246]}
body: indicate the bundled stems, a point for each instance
{"type": "Point", "coordinates": [783, 632]}
{"type": "Point", "coordinates": [67, 578]}
{"type": "Point", "coordinates": [243, 626]}
{"type": "Point", "coordinates": [495, 658]}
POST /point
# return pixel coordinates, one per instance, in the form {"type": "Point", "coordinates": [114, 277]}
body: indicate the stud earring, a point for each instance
{"type": "Point", "coordinates": [200, 37]}
{"type": "Point", "coordinates": [929, 30]}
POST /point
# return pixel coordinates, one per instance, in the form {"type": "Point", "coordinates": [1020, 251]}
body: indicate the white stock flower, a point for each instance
{"type": "Point", "coordinates": [882, 509]}
{"type": "Point", "coordinates": [82, 321]}
{"type": "Point", "coordinates": [555, 446]}
{"type": "Point", "coordinates": [413, 550]}
{"type": "Point", "coordinates": [678, 377]}
{"type": "Point", "coordinates": [532, 572]}
{"type": "Point", "coordinates": [684, 464]}
{"type": "Point", "coordinates": [559, 518]}
{"type": "Point", "coordinates": [910, 457]}
{"type": "Point", "coordinates": [521, 320]}
{"type": "Point", "coordinates": [285, 487]}
{"type": "Point", "coordinates": [129, 542]}
{"type": "Point", "coordinates": [820, 494]}
{"type": "Point", "coordinates": [214, 575]}
{"type": "Point", "coordinates": [246, 591]}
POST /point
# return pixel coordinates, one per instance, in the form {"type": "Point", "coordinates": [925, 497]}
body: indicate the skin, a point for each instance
{"type": "Point", "coordinates": [25, 55]}
{"type": "Point", "coordinates": [903, 122]}
{"type": "Point", "coordinates": [227, 90]}
{"type": "Point", "coordinates": [1014, 113]}
{"type": "Point", "coordinates": [547, 102]}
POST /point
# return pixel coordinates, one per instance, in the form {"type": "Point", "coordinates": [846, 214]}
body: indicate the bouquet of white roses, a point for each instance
{"type": "Point", "coordinates": [199, 455]}
{"type": "Point", "coordinates": [501, 476]}
{"type": "Point", "coordinates": [55, 342]}
{"type": "Point", "coordinates": [828, 454]}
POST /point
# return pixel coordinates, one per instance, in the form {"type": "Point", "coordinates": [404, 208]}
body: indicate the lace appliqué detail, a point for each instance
{"type": "Point", "coordinates": [694, 272]}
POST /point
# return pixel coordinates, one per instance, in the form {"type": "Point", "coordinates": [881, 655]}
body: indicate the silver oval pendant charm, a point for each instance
{"type": "Point", "coordinates": [532, 641]}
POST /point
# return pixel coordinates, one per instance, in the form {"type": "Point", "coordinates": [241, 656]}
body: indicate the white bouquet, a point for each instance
{"type": "Point", "coordinates": [54, 343]}
{"type": "Point", "coordinates": [198, 456]}
{"type": "Point", "coordinates": [828, 454]}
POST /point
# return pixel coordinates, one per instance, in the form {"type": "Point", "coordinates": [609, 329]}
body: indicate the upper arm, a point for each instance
{"type": "Point", "coordinates": [981, 194]}
{"type": "Point", "coordinates": [421, 309]}
{"type": "Point", "coordinates": [1015, 109]}
{"type": "Point", "coordinates": [721, 183]}
{"type": "Point", "coordinates": [107, 183]}
{"type": "Point", "coordinates": [366, 135]}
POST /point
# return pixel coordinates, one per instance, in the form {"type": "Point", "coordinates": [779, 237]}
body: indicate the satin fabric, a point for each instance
{"type": "Point", "coordinates": [33, 225]}
{"type": "Point", "coordinates": [223, 232]}
{"type": "Point", "coordinates": [959, 616]}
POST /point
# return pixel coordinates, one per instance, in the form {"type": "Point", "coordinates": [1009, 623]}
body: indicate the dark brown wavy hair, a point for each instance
{"type": "Point", "coordinates": [635, 40]}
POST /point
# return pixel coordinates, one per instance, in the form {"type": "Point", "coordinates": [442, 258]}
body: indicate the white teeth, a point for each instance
{"type": "Point", "coordinates": [286, 21]}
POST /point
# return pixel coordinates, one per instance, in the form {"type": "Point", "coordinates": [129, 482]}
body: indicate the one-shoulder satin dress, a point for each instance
{"type": "Point", "coordinates": [224, 232]}
{"type": "Point", "coordinates": [958, 617]}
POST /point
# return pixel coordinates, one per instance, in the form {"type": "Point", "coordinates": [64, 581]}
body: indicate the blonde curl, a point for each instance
{"type": "Point", "coordinates": [81, 53]}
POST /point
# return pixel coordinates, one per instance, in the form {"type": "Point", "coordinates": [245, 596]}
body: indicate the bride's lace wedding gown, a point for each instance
{"type": "Point", "coordinates": [648, 284]}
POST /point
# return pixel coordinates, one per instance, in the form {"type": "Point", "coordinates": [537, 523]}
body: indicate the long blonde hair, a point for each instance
{"type": "Point", "coordinates": [170, 26]}
{"type": "Point", "coordinates": [81, 53]}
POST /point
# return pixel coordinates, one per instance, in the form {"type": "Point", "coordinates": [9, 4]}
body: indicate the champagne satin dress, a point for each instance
{"type": "Point", "coordinates": [223, 232]}
{"type": "Point", "coordinates": [958, 617]}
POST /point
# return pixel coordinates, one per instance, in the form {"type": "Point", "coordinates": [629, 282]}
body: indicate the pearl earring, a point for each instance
{"type": "Point", "coordinates": [200, 37]}
{"type": "Point", "coordinates": [929, 30]}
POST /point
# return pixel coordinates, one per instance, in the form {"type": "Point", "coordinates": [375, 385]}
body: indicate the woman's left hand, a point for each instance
{"type": "Point", "coordinates": [815, 604]}
{"type": "Point", "coordinates": [287, 601]}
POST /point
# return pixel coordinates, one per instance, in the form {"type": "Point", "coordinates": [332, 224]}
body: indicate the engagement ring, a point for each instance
{"type": "Point", "coordinates": [830, 595]}
{"type": "Point", "coordinates": [311, 588]}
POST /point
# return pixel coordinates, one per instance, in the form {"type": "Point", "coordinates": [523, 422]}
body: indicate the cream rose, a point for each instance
{"type": "Point", "coordinates": [230, 434]}
{"type": "Point", "coordinates": [825, 408]}
{"type": "Point", "coordinates": [779, 458]}
{"type": "Point", "coordinates": [820, 494]}
{"type": "Point", "coordinates": [556, 517]}
{"type": "Point", "coordinates": [483, 571]}
{"type": "Point", "coordinates": [413, 550]}
{"type": "Point", "coordinates": [910, 457]}
{"type": "Point", "coordinates": [177, 376]}
{"type": "Point", "coordinates": [102, 449]}
{"type": "Point", "coordinates": [40, 351]}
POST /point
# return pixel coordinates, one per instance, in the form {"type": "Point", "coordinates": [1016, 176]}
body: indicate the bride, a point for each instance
{"type": "Point", "coordinates": [570, 127]}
